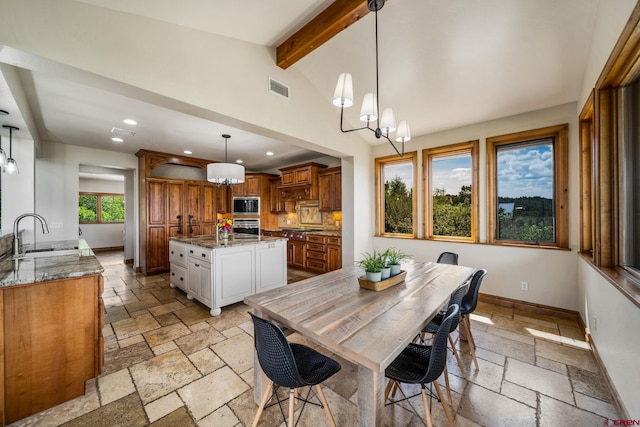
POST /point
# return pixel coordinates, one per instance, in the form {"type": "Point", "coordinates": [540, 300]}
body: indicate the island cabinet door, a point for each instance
{"type": "Point", "coordinates": [234, 274]}
{"type": "Point", "coordinates": [271, 265]}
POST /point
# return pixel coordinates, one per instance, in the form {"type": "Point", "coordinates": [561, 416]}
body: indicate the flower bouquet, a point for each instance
{"type": "Point", "coordinates": [225, 226]}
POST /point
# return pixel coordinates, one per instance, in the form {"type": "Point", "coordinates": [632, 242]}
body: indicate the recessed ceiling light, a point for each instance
{"type": "Point", "coordinates": [269, 153]}
{"type": "Point", "coordinates": [130, 122]}
{"type": "Point", "coordinates": [239, 161]}
{"type": "Point", "coordinates": [187, 152]}
{"type": "Point", "coordinates": [116, 139]}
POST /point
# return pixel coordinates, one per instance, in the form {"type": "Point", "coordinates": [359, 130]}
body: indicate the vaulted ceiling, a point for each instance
{"type": "Point", "coordinates": [443, 64]}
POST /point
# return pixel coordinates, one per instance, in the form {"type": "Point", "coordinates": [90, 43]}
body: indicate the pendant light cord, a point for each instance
{"type": "Point", "coordinates": [377, 84]}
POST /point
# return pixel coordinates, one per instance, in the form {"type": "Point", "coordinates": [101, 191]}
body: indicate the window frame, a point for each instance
{"type": "Point", "coordinates": [560, 183]}
{"type": "Point", "coordinates": [380, 162]}
{"type": "Point", "coordinates": [99, 207]}
{"type": "Point", "coordinates": [471, 147]}
{"type": "Point", "coordinates": [601, 150]}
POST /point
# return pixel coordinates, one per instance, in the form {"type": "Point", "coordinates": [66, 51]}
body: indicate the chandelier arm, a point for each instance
{"type": "Point", "coordinates": [351, 130]}
{"type": "Point", "coordinates": [401, 154]}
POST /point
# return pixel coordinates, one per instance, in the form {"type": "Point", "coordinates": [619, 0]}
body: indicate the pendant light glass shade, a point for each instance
{"type": "Point", "coordinates": [225, 173]}
{"type": "Point", "coordinates": [369, 110]}
{"type": "Point", "coordinates": [10, 166]}
{"type": "Point", "coordinates": [3, 159]}
{"type": "Point", "coordinates": [343, 96]}
{"type": "Point", "coordinates": [388, 121]}
{"type": "Point", "coordinates": [404, 133]}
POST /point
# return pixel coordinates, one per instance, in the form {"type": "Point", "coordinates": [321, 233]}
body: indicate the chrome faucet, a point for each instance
{"type": "Point", "coordinates": [17, 242]}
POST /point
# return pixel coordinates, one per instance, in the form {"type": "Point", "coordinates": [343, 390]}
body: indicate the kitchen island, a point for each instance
{"type": "Point", "coordinates": [51, 317]}
{"type": "Point", "coordinates": [218, 274]}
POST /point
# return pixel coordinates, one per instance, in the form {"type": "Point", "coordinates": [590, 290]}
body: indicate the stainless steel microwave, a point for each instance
{"type": "Point", "coordinates": [246, 206]}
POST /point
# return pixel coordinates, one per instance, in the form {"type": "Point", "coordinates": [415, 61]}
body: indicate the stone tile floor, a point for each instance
{"type": "Point", "coordinates": [168, 363]}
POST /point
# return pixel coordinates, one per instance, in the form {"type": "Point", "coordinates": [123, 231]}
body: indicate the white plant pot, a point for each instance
{"type": "Point", "coordinates": [395, 269]}
{"type": "Point", "coordinates": [374, 277]}
{"type": "Point", "coordinates": [386, 272]}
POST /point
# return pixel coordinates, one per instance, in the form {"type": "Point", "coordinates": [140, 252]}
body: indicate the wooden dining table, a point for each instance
{"type": "Point", "coordinates": [368, 328]}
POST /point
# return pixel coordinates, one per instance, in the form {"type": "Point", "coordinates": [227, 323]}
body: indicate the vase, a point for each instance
{"type": "Point", "coordinates": [225, 237]}
{"type": "Point", "coordinates": [386, 272]}
{"type": "Point", "coordinates": [395, 269]}
{"type": "Point", "coordinates": [374, 276]}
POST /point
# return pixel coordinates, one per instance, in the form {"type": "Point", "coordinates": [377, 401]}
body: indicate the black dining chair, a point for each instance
{"type": "Point", "coordinates": [448, 258]}
{"type": "Point", "coordinates": [433, 326]}
{"type": "Point", "coordinates": [468, 305]}
{"type": "Point", "coordinates": [290, 365]}
{"type": "Point", "coordinates": [423, 364]}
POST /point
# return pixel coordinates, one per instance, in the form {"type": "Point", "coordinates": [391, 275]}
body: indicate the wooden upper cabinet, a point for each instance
{"type": "Point", "coordinates": [330, 185]}
{"type": "Point", "coordinates": [222, 199]}
{"type": "Point", "coordinates": [156, 196]}
{"type": "Point", "coordinates": [250, 187]}
{"type": "Point", "coordinates": [300, 182]}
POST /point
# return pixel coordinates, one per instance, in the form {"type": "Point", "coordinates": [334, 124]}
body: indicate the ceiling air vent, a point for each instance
{"type": "Point", "coordinates": [278, 88]}
{"type": "Point", "coordinates": [122, 132]}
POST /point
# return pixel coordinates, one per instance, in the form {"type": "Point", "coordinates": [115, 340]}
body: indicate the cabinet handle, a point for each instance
{"type": "Point", "coordinates": [197, 265]}
{"type": "Point", "coordinates": [190, 224]}
{"type": "Point", "coordinates": [181, 279]}
{"type": "Point", "coordinates": [190, 251]}
{"type": "Point", "coordinates": [179, 224]}
{"type": "Point", "coordinates": [180, 255]}
{"type": "Point", "coordinates": [204, 255]}
{"type": "Point", "coordinates": [173, 274]}
{"type": "Point", "coordinates": [171, 252]}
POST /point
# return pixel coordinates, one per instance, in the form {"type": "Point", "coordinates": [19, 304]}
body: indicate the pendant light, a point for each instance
{"type": "Point", "coordinates": [385, 124]}
{"type": "Point", "coordinates": [11, 166]}
{"type": "Point", "coordinates": [3, 155]}
{"type": "Point", "coordinates": [225, 173]}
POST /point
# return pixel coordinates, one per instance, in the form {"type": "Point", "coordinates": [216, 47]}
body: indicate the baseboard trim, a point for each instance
{"type": "Point", "coordinates": [531, 307]}
{"type": "Point", "coordinates": [617, 400]}
{"type": "Point", "coordinates": [129, 261]}
{"type": "Point", "coordinates": [113, 248]}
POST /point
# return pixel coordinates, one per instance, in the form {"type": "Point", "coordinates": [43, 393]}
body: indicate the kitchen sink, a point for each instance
{"type": "Point", "coordinates": [48, 252]}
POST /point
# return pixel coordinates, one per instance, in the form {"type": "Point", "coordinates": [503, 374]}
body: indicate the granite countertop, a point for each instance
{"type": "Point", "coordinates": [209, 241]}
{"type": "Point", "coordinates": [24, 270]}
{"type": "Point", "coordinates": [337, 233]}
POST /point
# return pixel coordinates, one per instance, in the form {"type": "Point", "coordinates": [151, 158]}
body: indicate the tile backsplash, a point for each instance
{"type": "Point", "coordinates": [306, 214]}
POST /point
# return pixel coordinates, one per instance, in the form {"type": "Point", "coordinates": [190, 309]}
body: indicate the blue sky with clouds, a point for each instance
{"type": "Point", "coordinates": [451, 172]}
{"type": "Point", "coordinates": [403, 170]}
{"type": "Point", "coordinates": [527, 171]}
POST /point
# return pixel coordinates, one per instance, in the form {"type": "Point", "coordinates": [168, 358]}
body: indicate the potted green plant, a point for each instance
{"type": "Point", "coordinates": [393, 259]}
{"type": "Point", "coordinates": [373, 263]}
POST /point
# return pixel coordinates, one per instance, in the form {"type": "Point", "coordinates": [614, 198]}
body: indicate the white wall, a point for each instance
{"type": "Point", "coordinates": [616, 334]}
{"type": "Point", "coordinates": [57, 187]}
{"type": "Point", "coordinates": [18, 194]}
{"type": "Point", "coordinates": [557, 283]}
{"type": "Point", "coordinates": [103, 235]}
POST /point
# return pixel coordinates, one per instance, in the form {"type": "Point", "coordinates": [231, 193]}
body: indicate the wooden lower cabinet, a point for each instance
{"type": "Point", "coordinates": [323, 253]}
{"type": "Point", "coordinates": [296, 254]}
{"type": "Point", "coordinates": [51, 343]}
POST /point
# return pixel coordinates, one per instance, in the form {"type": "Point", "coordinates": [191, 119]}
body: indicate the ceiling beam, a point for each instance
{"type": "Point", "coordinates": [335, 18]}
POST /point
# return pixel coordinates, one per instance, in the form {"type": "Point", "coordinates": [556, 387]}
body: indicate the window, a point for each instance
{"type": "Point", "coordinates": [527, 174]}
{"type": "Point", "coordinates": [100, 208]}
{"type": "Point", "coordinates": [395, 195]}
{"type": "Point", "coordinates": [610, 167]}
{"type": "Point", "coordinates": [451, 192]}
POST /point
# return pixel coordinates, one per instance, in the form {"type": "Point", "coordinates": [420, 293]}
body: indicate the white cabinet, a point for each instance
{"type": "Point", "coordinates": [178, 260]}
{"type": "Point", "coordinates": [225, 275]}
{"type": "Point", "coordinates": [234, 274]}
{"type": "Point", "coordinates": [199, 280]}
{"type": "Point", "coordinates": [271, 265]}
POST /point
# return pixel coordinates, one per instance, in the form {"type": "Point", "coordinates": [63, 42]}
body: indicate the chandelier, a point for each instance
{"type": "Point", "coordinates": [343, 98]}
{"type": "Point", "coordinates": [225, 173]}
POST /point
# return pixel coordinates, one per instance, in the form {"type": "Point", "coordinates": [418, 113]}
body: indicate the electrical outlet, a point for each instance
{"type": "Point", "coordinates": [595, 323]}
{"type": "Point", "coordinates": [56, 225]}
{"type": "Point", "coordinates": [524, 286]}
